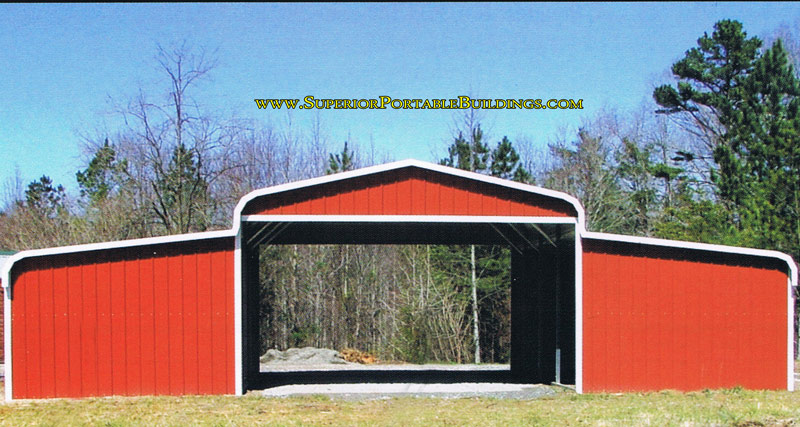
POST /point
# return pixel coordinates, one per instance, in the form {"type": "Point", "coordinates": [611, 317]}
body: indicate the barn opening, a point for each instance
{"type": "Point", "coordinates": [403, 303]}
{"type": "Point", "coordinates": [541, 284]}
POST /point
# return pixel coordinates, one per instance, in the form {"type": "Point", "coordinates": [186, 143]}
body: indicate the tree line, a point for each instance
{"type": "Point", "coordinates": [714, 158]}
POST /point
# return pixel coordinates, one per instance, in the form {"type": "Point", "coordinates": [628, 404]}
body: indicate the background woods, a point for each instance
{"type": "Point", "coordinates": [715, 158]}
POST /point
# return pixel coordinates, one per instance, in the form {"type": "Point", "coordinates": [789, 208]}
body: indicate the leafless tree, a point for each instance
{"type": "Point", "coordinates": [176, 150]}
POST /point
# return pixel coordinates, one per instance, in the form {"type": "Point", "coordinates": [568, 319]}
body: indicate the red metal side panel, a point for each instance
{"type": "Point", "coordinates": [61, 362]}
{"type": "Point", "coordinates": [161, 309]}
{"type": "Point", "coordinates": [432, 196]}
{"type": "Point", "coordinates": [74, 320]}
{"type": "Point", "coordinates": [190, 303]}
{"type": "Point", "coordinates": [133, 315]}
{"type": "Point", "coordinates": [155, 319]}
{"type": "Point", "coordinates": [419, 198]}
{"type": "Point", "coordinates": [374, 196]}
{"type": "Point", "coordinates": [230, 343]}
{"type": "Point", "coordinates": [105, 368]}
{"type": "Point", "coordinates": [204, 319]}
{"type": "Point", "coordinates": [147, 326]}
{"type": "Point", "coordinates": [174, 296]}
{"type": "Point", "coordinates": [447, 198]}
{"type": "Point", "coordinates": [88, 334]}
{"type": "Point", "coordinates": [667, 318]}
{"type": "Point", "coordinates": [119, 380]}
{"type": "Point", "coordinates": [18, 352]}
{"type": "Point", "coordinates": [47, 331]}
{"type": "Point", "coordinates": [33, 353]}
{"type": "Point", "coordinates": [402, 190]}
{"type": "Point", "coordinates": [218, 311]}
{"type": "Point", "coordinates": [359, 199]}
{"type": "Point", "coordinates": [410, 191]}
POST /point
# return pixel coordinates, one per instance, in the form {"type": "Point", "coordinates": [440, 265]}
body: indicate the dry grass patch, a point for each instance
{"type": "Point", "coordinates": [723, 407]}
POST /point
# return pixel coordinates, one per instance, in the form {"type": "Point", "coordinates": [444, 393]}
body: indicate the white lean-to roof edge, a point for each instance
{"type": "Point", "coordinates": [238, 219]}
{"type": "Point", "coordinates": [792, 267]}
{"type": "Point", "coordinates": [119, 244]}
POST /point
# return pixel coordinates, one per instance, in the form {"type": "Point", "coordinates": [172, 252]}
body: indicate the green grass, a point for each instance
{"type": "Point", "coordinates": [719, 407]}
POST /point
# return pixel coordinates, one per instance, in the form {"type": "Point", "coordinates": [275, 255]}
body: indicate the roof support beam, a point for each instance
{"type": "Point", "coordinates": [510, 243]}
{"type": "Point", "coordinates": [546, 237]}
{"type": "Point", "coordinates": [257, 234]}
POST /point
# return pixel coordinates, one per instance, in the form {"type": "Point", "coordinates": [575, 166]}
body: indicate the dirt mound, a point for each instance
{"type": "Point", "coordinates": [358, 356]}
{"type": "Point", "coordinates": [303, 356]}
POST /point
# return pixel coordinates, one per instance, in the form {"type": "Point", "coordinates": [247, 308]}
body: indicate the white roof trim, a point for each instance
{"type": "Point", "coordinates": [789, 336]}
{"type": "Point", "coordinates": [410, 163]}
{"type": "Point", "coordinates": [698, 246]}
{"type": "Point", "coordinates": [412, 218]}
{"type": "Point", "coordinates": [578, 312]}
{"type": "Point", "coordinates": [9, 362]}
{"type": "Point", "coordinates": [238, 343]}
{"type": "Point", "coordinates": [175, 238]}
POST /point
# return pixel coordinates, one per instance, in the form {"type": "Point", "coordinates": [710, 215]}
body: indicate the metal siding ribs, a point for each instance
{"type": "Point", "coordinates": [155, 319]}
{"type": "Point", "coordinates": [667, 318]}
{"type": "Point", "coordinates": [409, 191]}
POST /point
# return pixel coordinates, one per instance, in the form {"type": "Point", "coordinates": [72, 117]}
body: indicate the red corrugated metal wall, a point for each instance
{"type": "Point", "coordinates": [156, 319]}
{"type": "Point", "coordinates": [667, 318]}
{"type": "Point", "coordinates": [409, 191]}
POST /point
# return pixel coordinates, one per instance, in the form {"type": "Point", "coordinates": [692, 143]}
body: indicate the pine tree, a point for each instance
{"type": "Point", "coordinates": [471, 155]}
{"type": "Point", "coordinates": [103, 174]}
{"type": "Point", "coordinates": [746, 103]}
{"type": "Point", "coordinates": [182, 194]}
{"type": "Point", "coordinates": [340, 162]}
{"type": "Point", "coordinates": [45, 198]}
{"type": "Point", "coordinates": [710, 76]}
{"type": "Point", "coordinates": [765, 152]}
{"type": "Point", "coordinates": [505, 163]}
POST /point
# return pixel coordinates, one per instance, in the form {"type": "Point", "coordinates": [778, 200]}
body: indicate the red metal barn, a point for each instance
{"type": "Point", "coordinates": [169, 315]}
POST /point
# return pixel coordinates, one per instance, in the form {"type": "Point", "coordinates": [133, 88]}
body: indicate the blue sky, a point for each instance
{"type": "Point", "coordinates": [62, 63]}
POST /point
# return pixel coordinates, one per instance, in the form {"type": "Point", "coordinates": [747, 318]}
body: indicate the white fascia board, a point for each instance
{"type": "Point", "coordinates": [699, 246]}
{"type": "Point", "coordinates": [790, 337]}
{"type": "Point", "coordinates": [7, 368]}
{"type": "Point", "coordinates": [238, 345]}
{"type": "Point", "coordinates": [411, 219]}
{"type": "Point", "coordinates": [177, 238]}
{"type": "Point", "coordinates": [403, 164]}
{"type": "Point", "coordinates": [578, 313]}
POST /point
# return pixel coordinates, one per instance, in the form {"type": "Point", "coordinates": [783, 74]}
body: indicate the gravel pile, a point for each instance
{"type": "Point", "coordinates": [303, 356]}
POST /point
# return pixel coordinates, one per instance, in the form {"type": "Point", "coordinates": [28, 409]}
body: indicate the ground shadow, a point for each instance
{"type": "Point", "coordinates": [264, 380]}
